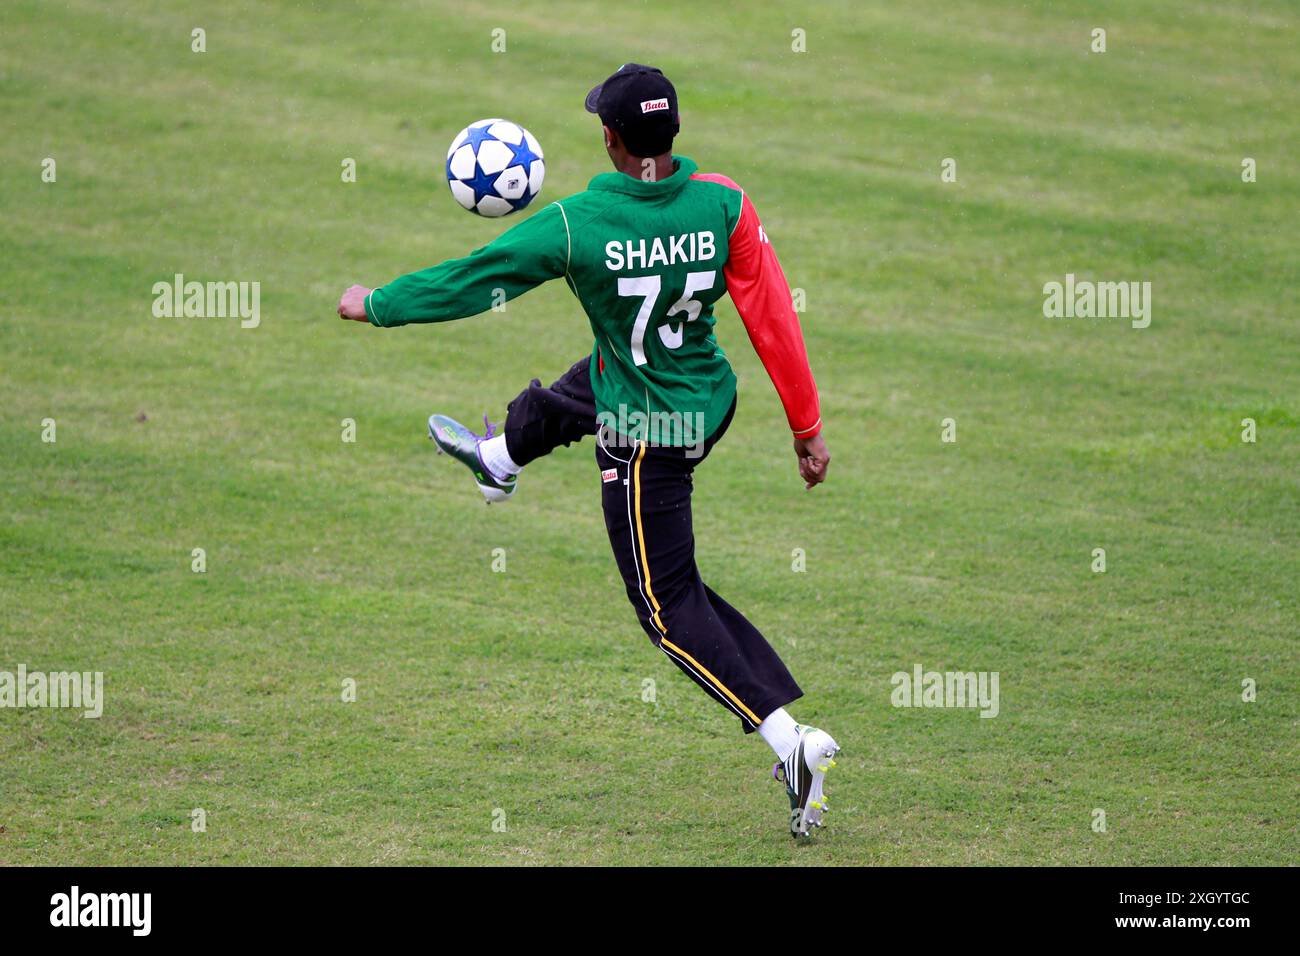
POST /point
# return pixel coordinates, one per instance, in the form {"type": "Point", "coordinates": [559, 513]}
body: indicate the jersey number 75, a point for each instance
{"type": "Point", "coordinates": [648, 288]}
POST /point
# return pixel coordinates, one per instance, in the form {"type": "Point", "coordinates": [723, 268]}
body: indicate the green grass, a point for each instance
{"type": "Point", "coordinates": [522, 691]}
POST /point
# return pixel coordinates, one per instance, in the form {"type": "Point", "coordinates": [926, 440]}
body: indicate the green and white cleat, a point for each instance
{"type": "Point", "coordinates": [803, 775]}
{"type": "Point", "coordinates": [454, 439]}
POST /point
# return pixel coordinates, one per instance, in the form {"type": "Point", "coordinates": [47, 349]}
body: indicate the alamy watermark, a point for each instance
{"type": "Point", "coordinates": [1085, 299]}
{"type": "Point", "coordinates": [630, 426]}
{"type": "Point", "coordinates": [133, 911]}
{"type": "Point", "coordinates": [76, 689]}
{"type": "Point", "coordinates": [179, 299]}
{"type": "Point", "coordinates": [922, 688]}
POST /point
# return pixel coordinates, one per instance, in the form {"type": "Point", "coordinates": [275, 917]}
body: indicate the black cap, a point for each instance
{"type": "Point", "coordinates": [640, 104]}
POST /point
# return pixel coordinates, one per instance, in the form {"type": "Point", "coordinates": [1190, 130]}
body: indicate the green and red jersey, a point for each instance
{"type": "Point", "coordinates": [647, 261]}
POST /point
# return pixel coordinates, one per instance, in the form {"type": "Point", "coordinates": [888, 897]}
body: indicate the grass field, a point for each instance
{"type": "Point", "coordinates": [516, 697]}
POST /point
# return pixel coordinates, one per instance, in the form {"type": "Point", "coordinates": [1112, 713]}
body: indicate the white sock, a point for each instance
{"type": "Point", "coordinates": [496, 459]}
{"type": "Point", "coordinates": [781, 733]}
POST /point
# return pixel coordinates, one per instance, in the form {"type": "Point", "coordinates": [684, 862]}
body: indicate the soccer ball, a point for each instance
{"type": "Point", "coordinates": [494, 167]}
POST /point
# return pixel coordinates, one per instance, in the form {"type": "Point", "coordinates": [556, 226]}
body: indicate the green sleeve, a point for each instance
{"type": "Point", "coordinates": [517, 260]}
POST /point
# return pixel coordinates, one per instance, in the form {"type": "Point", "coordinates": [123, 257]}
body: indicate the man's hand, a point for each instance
{"type": "Point", "coordinates": [353, 304]}
{"type": "Point", "coordinates": [814, 458]}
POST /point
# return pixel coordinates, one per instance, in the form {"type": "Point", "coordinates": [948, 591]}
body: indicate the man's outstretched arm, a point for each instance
{"type": "Point", "coordinates": [517, 260]}
{"type": "Point", "coordinates": [758, 288]}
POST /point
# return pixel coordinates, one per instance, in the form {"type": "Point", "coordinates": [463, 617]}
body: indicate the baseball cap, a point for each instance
{"type": "Point", "coordinates": [641, 105]}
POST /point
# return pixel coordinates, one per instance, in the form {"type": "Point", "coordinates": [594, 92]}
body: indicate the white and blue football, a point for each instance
{"type": "Point", "coordinates": [494, 167]}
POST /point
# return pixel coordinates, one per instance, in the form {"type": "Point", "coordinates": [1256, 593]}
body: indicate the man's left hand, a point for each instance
{"type": "Point", "coordinates": [353, 304]}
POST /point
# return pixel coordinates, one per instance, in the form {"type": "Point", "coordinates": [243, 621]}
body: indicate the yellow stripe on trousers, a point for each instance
{"type": "Point", "coordinates": [640, 540]}
{"type": "Point", "coordinates": [654, 602]}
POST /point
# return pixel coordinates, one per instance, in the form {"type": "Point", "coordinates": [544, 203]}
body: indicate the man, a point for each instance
{"type": "Point", "coordinates": [647, 250]}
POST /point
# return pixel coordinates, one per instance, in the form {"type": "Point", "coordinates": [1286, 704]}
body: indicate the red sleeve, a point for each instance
{"type": "Point", "coordinates": [758, 288]}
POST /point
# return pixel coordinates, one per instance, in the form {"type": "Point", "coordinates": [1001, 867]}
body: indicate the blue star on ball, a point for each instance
{"type": "Point", "coordinates": [477, 135]}
{"type": "Point", "coordinates": [523, 156]}
{"type": "Point", "coordinates": [482, 183]}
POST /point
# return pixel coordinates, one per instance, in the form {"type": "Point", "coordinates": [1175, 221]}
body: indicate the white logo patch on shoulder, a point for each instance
{"type": "Point", "coordinates": [608, 475]}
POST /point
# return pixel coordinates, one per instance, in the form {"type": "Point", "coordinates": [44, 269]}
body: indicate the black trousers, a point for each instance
{"type": "Point", "coordinates": [646, 495]}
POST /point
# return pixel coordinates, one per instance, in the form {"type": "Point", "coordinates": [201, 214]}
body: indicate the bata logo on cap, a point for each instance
{"type": "Point", "coordinates": [653, 106]}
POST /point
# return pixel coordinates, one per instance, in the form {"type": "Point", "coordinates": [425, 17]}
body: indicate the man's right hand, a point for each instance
{"type": "Point", "coordinates": [814, 458]}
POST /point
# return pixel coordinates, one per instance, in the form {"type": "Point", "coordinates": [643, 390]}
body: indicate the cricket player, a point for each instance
{"type": "Point", "coordinates": [647, 250]}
